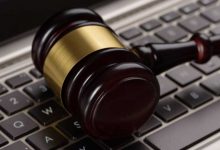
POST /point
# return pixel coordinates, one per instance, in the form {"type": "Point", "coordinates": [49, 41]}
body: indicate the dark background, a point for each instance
{"type": "Point", "coordinates": [17, 16]}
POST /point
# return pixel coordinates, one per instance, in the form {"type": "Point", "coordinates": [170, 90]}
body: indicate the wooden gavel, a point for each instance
{"type": "Point", "coordinates": [111, 90]}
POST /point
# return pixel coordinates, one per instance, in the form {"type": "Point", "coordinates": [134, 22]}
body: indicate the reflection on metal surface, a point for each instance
{"type": "Point", "coordinates": [69, 50]}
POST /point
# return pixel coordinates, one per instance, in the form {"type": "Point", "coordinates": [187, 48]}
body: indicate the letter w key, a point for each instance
{"type": "Point", "coordinates": [48, 113]}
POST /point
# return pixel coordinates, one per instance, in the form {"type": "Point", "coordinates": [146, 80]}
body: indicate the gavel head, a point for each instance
{"type": "Point", "coordinates": [102, 84]}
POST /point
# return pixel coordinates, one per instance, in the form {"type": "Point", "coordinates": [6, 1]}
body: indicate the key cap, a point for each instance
{"type": "Point", "coordinates": [18, 80]}
{"type": "Point", "coordinates": [209, 67]}
{"type": "Point", "coordinates": [18, 126]}
{"type": "Point", "coordinates": [212, 84]}
{"type": "Point", "coordinates": [184, 75]}
{"type": "Point", "coordinates": [14, 102]}
{"type": "Point", "coordinates": [2, 89]}
{"type": "Point", "coordinates": [47, 139]}
{"type": "Point", "coordinates": [166, 86]}
{"type": "Point", "coordinates": [150, 25]}
{"type": "Point", "coordinates": [190, 8]}
{"type": "Point", "coordinates": [171, 34]}
{"type": "Point", "coordinates": [194, 96]}
{"type": "Point", "coordinates": [48, 113]}
{"type": "Point", "coordinates": [146, 40]}
{"type": "Point", "coordinates": [150, 125]}
{"type": "Point", "coordinates": [39, 91]}
{"type": "Point", "coordinates": [71, 128]}
{"type": "Point", "coordinates": [215, 31]}
{"type": "Point", "coordinates": [212, 14]}
{"type": "Point", "coordinates": [85, 144]}
{"type": "Point", "coordinates": [34, 72]}
{"type": "Point", "coordinates": [17, 146]}
{"type": "Point", "coordinates": [130, 33]}
{"type": "Point", "coordinates": [188, 131]}
{"type": "Point", "coordinates": [136, 146]}
{"type": "Point", "coordinates": [171, 16]}
{"type": "Point", "coordinates": [3, 140]}
{"type": "Point", "coordinates": [169, 109]}
{"type": "Point", "coordinates": [207, 2]}
{"type": "Point", "coordinates": [194, 24]}
{"type": "Point", "coordinates": [114, 144]}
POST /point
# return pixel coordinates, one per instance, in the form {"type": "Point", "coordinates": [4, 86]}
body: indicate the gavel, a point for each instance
{"type": "Point", "coordinates": [110, 89]}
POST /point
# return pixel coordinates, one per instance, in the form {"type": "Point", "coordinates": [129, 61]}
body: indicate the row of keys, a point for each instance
{"type": "Point", "coordinates": [45, 114]}
{"type": "Point", "coordinates": [19, 80]}
{"type": "Point", "coordinates": [16, 101]}
{"type": "Point", "coordinates": [175, 33]}
{"type": "Point", "coordinates": [184, 75]}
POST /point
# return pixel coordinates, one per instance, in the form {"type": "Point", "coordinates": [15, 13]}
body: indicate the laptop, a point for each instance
{"type": "Point", "coordinates": [187, 115]}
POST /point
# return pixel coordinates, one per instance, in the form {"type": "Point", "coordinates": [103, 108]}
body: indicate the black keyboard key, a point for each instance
{"type": "Point", "coordinates": [85, 144]}
{"type": "Point", "coordinates": [166, 86]}
{"type": "Point", "coordinates": [17, 146]}
{"type": "Point", "coordinates": [150, 25]}
{"type": "Point", "coordinates": [171, 34]}
{"type": "Point", "coordinates": [169, 109]}
{"type": "Point", "coordinates": [47, 139]}
{"type": "Point", "coordinates": [187, 9]}
{"type": "Point", "coordinates": [184, 75]}
{"type": "Point", "coordinates": [194, 24]}
{"type": "Point", "coordinates": [48, 113]}
{"type": "Point", "coordinates": [71, 128]}
{"type": "Point", "coordinates": [39, 91]}
{"type": "Point", "coordinates": [150, 125]}
{"type": "Point", "coordinates": [14, 102]}
{"type": "Point", "coordinates": [215, 31]}
{"type": "Point", "coordinates": [34, 72]}
{"type": "Point", "coordinates": [3, 140]}
{"type": "Point", "coordinates": [146, 40]}
{"type": "Point", "coordinates": [131, 33]}
{"type": "Point", "coordinates": [212, 84]}
{"type": "Point", "coordinates": [212, 14]}
{"type": "Point", "coordinates": [18, 80]}
{"type": "Point", "coordinates": [18, 126]}
{"type": "Point", "coordinates": [194, 96]}
{"type": "Point", "coordinates": [171, 16]}
{"type": "Point", "coordinates": [189, 130]}
{"type": "Point", "coordinates": [2, 89]}
{"type": "Point", "coordinates": [209, 67]}
{"type": "Point", "coordinates": [136, 146]}
{"type": "Point", "coordinates": [207, 2]}
{"type": "Point", "coordinates": [116, 143]}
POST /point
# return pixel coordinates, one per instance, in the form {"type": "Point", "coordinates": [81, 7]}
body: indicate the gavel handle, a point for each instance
{"type": "Point", "coordinates": [161, 57]}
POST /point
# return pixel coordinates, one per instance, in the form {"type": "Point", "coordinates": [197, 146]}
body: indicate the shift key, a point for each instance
{"type": "Point", "coordinates": [188, 131]}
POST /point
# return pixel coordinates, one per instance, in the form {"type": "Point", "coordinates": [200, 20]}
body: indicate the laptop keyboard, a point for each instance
{"type": "Point", "coordinates": [30, 117]}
